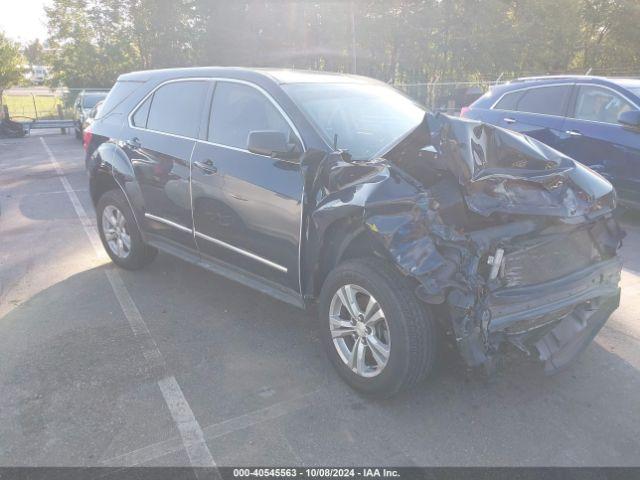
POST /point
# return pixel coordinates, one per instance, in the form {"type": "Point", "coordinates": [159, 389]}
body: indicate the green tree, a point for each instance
{"type": "Point", "coordinates": [34, 53]}
{"type": "Point", "coordinates": [90, 41]}
{"type": "Point", "coordinates": [11, 64]}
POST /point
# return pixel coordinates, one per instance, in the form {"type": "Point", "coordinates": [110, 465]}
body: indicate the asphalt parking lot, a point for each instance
{"type": "Point", "coordinates": [173, 365]}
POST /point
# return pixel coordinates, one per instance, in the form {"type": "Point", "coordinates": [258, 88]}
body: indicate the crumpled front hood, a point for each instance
{"type": "Point", "coordinates": [504, 171]}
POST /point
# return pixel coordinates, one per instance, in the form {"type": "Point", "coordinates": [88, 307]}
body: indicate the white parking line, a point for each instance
{"type": "Point", "coordinates": [192, 436]}
{"type": "Point", "coordinates": [272, 412]}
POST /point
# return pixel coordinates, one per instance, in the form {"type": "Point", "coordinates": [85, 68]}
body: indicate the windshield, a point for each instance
{"type": "Point", "coordinates": [362, 119]}
{"type": "Point", "coordinates": [635, 91]}
{"type": "Point", "coordinates": [90, 99]}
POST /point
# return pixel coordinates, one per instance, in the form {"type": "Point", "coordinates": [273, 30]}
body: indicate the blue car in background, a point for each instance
{"type": "Point", "coordinates": [594, 120]}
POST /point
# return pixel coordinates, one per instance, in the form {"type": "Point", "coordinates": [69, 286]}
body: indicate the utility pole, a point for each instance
{"type": "Point", "coordinates": [354, 66]}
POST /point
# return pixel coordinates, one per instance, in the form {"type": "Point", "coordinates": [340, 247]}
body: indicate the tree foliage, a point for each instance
{"type": "Point", "coordinates": [394, 40]}
{"type": "Point", "coordinates": [11, 64]}
{"type": "Point", "coordinates": [34, 53]}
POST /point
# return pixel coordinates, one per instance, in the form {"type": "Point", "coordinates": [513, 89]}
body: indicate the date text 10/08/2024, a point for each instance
{"type": "Point", "coordinates": [316, 472]}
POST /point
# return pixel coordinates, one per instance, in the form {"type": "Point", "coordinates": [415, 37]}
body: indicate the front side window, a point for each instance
{"type": "Point", "coordinates": [176, 108]}
{"type": "Point", "coordinates": [599, 105]}
{"type": "Point", "coordinates": [363, 119]}
{"type": "Point", "coordinates": [544, 100]}
{"type": "Point", "coordinates": [239, 109]}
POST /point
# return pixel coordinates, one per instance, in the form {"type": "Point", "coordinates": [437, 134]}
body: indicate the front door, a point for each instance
{"type": "Point", "coordinates": [165, 128]}
{"type": "Point", "coordinates": [247, 207]}
{"type": "Point", "coordinates": [595, 138]}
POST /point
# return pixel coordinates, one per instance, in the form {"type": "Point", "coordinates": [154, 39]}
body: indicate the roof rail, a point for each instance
{"type": "Point", "coordinates": [553, 77]}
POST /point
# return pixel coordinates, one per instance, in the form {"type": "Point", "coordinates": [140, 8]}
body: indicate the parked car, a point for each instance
{"type": "Point", "coordinates": [90, 117]}
{"type": "Point", "coordinates": [85, 102]}
{"type": "Point", "coordinates": [592, 119]}
{"type": "Point", "coordinates": [341, 193]}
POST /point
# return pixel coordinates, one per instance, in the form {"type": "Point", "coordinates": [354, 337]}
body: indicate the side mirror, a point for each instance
{"type": "Point", "coordinates": [630, 118]}
{"type": "Point", "coordinates": [272, 144]}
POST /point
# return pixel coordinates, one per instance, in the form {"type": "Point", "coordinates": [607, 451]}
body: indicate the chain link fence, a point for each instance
{"type": "Point", "coordinates": [447, 97]}
{"type": "Point", "coordinates": [41, 103]}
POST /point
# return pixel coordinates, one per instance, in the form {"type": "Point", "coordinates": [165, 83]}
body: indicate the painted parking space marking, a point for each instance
{"type": "Point", "coordinates": [190, 431]}
{"type": "Point", "coordinates": [217, 430]}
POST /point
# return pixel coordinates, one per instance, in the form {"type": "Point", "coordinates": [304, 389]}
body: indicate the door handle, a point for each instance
{"type": "Point", "coordinates": [574, 133]}
{"type": "Point", "coordinates": [206, 166]}
{"type": "Point", "coordinates": [133, 143]}
{"type": "Point", "coordinates": [509, 120]}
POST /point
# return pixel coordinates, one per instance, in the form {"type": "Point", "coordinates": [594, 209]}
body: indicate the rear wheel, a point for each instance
{"type": "Point", "coordinates": [119, 232]}
{"type": "Point", "coordinates": [378, 335]}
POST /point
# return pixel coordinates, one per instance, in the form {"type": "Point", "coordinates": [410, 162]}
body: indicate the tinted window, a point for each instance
{"type": "Point", "coordinates": [599, 105]}
{"type": "Point", "coordinates": [509, 101]}
{"type": "Point", "coordinates": [89, 100]}
{"type": "Point", "coordinates": [176, 108]}
{"type": "Point", "coordinates": [239, 109]}
{"type": "Point", "coordinates": [139, 118]}
{"type": "Point", "coordinates": [545, 100]}
{"type": "Point", "coordinates": [119, 92]}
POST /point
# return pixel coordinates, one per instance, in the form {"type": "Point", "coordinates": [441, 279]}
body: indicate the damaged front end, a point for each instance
{"type": "Point", "coordinates": [510, 240]}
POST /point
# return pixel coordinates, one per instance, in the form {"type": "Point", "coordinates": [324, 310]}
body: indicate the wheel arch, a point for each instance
{"type": "Point", "coordinates": [113, 170]}
{"type": "Point", "coordinates": [344, 239]}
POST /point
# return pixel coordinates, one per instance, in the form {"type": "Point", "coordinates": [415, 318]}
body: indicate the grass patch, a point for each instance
{"type": "Point", "coordinates": [22, 107]}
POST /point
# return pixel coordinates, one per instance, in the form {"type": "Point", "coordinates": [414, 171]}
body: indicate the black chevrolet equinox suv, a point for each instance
{"type": "Point", "coordinates": [401, 228]}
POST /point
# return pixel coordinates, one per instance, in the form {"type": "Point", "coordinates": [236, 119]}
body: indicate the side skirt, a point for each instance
{"type": "Point", "coordinates": [229, 271]}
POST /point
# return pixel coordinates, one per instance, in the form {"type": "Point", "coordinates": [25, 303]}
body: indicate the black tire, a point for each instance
{"type": "Point", "coordinates": [139, 254]}
{"type": "Point", "coordinates": [412, 331]}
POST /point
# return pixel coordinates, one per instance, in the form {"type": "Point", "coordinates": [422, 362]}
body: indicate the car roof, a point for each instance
{"type": "Point", "coordinates": [280, 76]}
{"type": "Point", "coordinates": [526, 81]}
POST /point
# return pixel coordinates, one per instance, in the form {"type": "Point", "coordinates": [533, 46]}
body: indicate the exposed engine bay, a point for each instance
{"type": "Point", "coordinates": [507, 239]}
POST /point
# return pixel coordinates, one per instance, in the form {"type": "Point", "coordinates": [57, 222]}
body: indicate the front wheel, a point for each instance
{"type": "Point", "coordinates": [378, 335]}
{"type": "Point", "coordinates": [119, 232]}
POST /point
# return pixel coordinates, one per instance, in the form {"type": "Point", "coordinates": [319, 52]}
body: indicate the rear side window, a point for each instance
{"type": "Point", "coordinates": [542, 100]}
{"type": "Point", "coordinates": [239, 109]}
{"type": "Point", "coordinates": [545, 100]}
{"type": "Point", "coordinates": [176, 108]}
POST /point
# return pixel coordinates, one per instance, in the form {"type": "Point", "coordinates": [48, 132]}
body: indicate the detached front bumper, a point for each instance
{"type": "Point", "coordinates": [558, 318]}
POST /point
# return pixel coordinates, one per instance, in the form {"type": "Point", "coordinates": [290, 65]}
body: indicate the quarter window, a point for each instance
{"type": "Point", "coordinates": [239, 109]}
{"type": "Point", "coordinates": [139, 118]}
{"type": "Point", "coordinates": [599, 105]}
{"type": "Point", "coordinates": [176, 108]}
{"type": "Point", "coordinates": [509, 101]}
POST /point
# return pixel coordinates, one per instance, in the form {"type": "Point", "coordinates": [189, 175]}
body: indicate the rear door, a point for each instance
{"type": "Point", "coordinates": [163, 135]}
{"type": "Point", "coordinates": [535, 111]}
{"type": "Point", "coordinates": [247, 207]}
{"type": "Point", "coordinates": [594, 137]}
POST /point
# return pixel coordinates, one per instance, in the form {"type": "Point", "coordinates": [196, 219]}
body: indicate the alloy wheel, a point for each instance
{"type": "Point", "coordinates": [114, 227]}
{"type": "Point", "coordinates": [359, 330]}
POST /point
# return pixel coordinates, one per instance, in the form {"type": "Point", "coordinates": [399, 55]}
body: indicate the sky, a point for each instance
{"type": "Point", "coordinates": [23, 20]}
